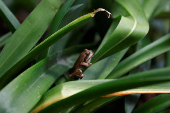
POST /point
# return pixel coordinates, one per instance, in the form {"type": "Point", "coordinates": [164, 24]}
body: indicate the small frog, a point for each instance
{"type": "Point", "coordinates": [83, 61]}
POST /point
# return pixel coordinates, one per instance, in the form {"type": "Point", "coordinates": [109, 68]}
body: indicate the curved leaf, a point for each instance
{"type": "Point", "coordinates": [98, 103]}
{"type": "Point", "coordinates": [55, 104]}
{"type": "Point", "coordinates": [43, 46]}
{"type": "Point", "coordinates": [124, 36]}
{"type": "Point", "coordinates": [106, 65]}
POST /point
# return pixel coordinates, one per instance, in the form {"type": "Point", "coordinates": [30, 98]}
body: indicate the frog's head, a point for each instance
{"type": "Point", "coordinates": [89, 55]}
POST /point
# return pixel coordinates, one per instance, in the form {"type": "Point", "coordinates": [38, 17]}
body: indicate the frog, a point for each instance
{"type": "Point", "coordinates": [83, 61]}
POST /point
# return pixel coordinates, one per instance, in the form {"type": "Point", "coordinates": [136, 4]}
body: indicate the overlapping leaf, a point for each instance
{"type": "Point", "coordinates": [143, 55]}
{"type": "Point", "coordinates": [124, 32]}
{"type": "Point", "coordinates": [36, 80]}
{"type": "Point", "coordinates": [40, 48]}
{"type": "Point", "coordinates": [28, 34]}
{"type": "Point", "coordinates": [128, 30]}
{"type": "Point", "coordinates": [25, 91]}
{"type": "Point", "coordinates": [131, 100]}
{"type": "Point", "coordinates": [101, 69]}
{"type": "Point", "coordinates": [55, 100]}
{"type": "Point", "coordinates": [54, 27]}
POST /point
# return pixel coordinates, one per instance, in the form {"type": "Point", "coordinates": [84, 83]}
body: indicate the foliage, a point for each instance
{"type": "Point", "coordinates": [35, 68]}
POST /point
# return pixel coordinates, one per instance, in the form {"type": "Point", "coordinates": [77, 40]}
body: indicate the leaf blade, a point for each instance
{"type": "Point", "coordinates": [24, 91]}
{"type": "Point", "coordinates": [140, 79]}
{"type": "Point", "coordinates": [43, 46]}
{"type": "Point", "coordinates": [8, 17]}
{"type": "Point", "coordinates": [141, 56]}
{"type": "Point", "coordinates": [31, 29]}
{"type": "Point", "coordinates": [124, 36]}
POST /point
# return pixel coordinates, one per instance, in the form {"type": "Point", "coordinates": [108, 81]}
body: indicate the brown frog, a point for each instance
{"type": "Point", "coordinates": [83, 61]}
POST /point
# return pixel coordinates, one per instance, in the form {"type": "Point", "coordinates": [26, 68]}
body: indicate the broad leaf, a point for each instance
{"type": "Point", "coordinates": [41, 47]}
{"type": "Point", "coordinates": [55, 100]}
{"type": "Point", "coordinates": [28, 34]}
{"type": "Point", "coordinates": [20, 95]}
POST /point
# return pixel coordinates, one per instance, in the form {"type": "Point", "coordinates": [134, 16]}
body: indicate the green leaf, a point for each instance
{"type": "Point", "coordinates": [28, 34]}
{"type": "Point", "coordinates": [161, 6]}
{"type": "Point", "coordinates": [74, 8]}
{"type": "Point", "coordinates": [4, 39]}
{"type": "Point", "coordinates": [64, 90]}
{"type": "Point", "coordinates": [43, 46]}
{"type": "Point", "coordinates": [60, 44]}
{"type": "Point", "coordinates": [96, 104]}
{"type": "Point", "coordinates": [71, 39]}
{"type": "Point", "coordinates": [55, 24]}
{"type": "Point", "coordinates": [54, 27]}
{"type": "Point", "coordinates": [151, 89]}
{"type": "Point", "coordinates": [154, 49]}
{"type": "Point", "coordinates": [20, 95]}
{"type": "Point", "coordinates": [168, 59]}
{"type": "Point", "coordinates": [154, 105]}
{"type": "Point", "coordinates": [165, 111]}
{"type": "Point", "coordinates": [150, 9]}
{"type": "Point", "coordinates": [56, 100]}
{"type": "Point", "coordinates": [128, 30]}
{"type": "Point", "coordinates": [8, 17]}
{"type": "Point", "coordinates": [131, 100]}
{"type": "Point", "coordinates": [105, 66]}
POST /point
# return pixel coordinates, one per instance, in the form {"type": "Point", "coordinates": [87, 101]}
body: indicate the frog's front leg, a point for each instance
{"type": "Point", "coordinates": [85, 64]}
{"type": "Point", "coordinates": [76, 74]}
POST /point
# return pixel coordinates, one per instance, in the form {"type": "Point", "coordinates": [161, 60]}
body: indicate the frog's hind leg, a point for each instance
{"type": "Point", "coordinates": [79, 73]}
{"type": "Point", "coordinates": [76, 74]}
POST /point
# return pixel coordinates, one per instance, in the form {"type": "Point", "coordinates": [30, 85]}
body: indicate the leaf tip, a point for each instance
{"type": "Point", "coordinates": [101, 9]}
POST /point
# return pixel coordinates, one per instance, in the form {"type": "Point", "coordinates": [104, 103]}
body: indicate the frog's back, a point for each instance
{"type": "Point", "coordinates": [78, 62]}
